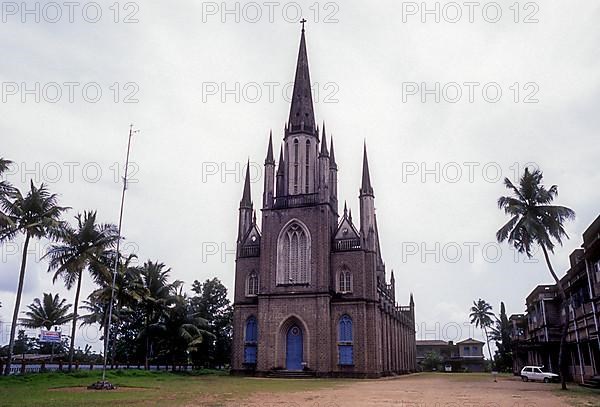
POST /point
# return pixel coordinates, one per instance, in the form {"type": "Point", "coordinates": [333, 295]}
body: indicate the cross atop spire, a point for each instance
{"type": "Point", "coordinates": [302, 115]}
{"type": "Point", "coordinates": [302, 22]}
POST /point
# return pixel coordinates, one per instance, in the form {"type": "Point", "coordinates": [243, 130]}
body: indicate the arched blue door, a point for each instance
{"type": "Point", "coordinates": [293, 353]}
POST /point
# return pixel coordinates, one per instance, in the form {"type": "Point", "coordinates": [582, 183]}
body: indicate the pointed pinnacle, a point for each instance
{"type": "Point", "coordinates": [246, 201]}
{"type": "Point", "coordinates": [270, 159]}
{"type": "Point", "coordinates": [332, 163]}
{"type": "Point", "coordinates": [324, 152]}
{"type": "Point", "coordinates": [280, 164]}
{"type": "Point", "coordinates": [366, 188]}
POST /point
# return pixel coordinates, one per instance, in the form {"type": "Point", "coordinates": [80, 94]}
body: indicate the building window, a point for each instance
{"type": "Point", "coordinates": [250, 341]}
{"type": "Point", "coordinates": [293, 252]}
{"type": "Point", "coordinates": [345, 343]}
{"type": "Point", "coordinates": [467, 351]}
{"type": "Point", "coordinates": [474, 350]}
{"type": "Point", "coordinates": [596, 269]}
{"type": "Point", "coordinates": [252, 286]}
{"type": "Point", "coordinates": [345, 281]}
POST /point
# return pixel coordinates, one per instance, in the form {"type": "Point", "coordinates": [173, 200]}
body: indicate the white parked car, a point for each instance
{"type": "Point", "coordinates": [537, 373]}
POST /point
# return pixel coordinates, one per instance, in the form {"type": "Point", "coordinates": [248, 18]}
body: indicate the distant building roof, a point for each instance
{"type": "Point", "coordinates": [470, 340]}
{"type": "Point", "coordinates": [432, 343]}
{"type": "Point", "coordinates": [592, 233]}
{"type": "Point", "coordinates": [545, 291]}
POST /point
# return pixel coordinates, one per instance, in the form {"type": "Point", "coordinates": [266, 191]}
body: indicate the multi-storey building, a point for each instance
{"type": "Point", "coordinates": [536, 334]}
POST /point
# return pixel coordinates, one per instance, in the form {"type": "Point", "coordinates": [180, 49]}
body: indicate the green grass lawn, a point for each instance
{"type": "Point", "coordinates": [578, 396]}
{"type": "Point", "coordinates": [206, 388]}
{"type": "Point", "coordinates": [138, 388]}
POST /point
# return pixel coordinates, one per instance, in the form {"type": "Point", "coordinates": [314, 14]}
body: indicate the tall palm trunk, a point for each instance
{"type": "Point", "coordinates": [74, 327]}
{"type": "Point", "coordinates": [487, 339]}
{"type": "Point", "coordinates": [565, 328]}
{"type": "Point", "coordinates": [146, 365]}
{"type": "Point", "coordinates": [13, 327]}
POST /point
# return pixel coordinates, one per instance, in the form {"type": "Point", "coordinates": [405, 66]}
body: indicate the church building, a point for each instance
{"type": "Point", "coordinates": [311, 292]}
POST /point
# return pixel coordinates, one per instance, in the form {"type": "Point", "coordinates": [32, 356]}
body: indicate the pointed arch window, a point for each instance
{"type": "Point", "coordinates": [345, 281]}
{"type": "Point", "coordinates": [293, 255]}
{"type": "Point", "coordinates": [295, 166]}
{"type": "Point", "coordinates": [250, 340]}
{"type": "Point", "coordinates": [307, 167]}
{"type": "Point", "coordinates": [252, 284]}
{"type": "Point", "coordinates": [345, 341]}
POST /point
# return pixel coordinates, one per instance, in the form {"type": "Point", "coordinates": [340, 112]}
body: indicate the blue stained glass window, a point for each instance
{"type": "Point", "coordinates": [345, 343]}
{"type": "Point", "coordinates": [250, 340]}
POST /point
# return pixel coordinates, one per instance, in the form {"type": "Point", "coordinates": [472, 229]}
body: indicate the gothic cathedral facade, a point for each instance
{"type": "Point", "coordinates": [311, 293]}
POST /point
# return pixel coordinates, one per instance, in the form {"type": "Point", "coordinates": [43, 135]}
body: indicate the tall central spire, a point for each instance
{"type": "Point", "coordinates": [302, 115]}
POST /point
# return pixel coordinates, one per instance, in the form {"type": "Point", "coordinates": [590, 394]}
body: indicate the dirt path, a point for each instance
{"type": "Point", "coordinates": [418, 391]}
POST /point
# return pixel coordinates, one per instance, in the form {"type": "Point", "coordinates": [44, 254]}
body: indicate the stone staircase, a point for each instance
{"type": "Point", "coordinates": [291, 374]}
{"type": "Point", "coordinates": [593, 383]}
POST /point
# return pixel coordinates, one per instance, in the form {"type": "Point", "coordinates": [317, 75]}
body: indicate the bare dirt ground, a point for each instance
{"type": "Point", "coordinates": [424, 390]}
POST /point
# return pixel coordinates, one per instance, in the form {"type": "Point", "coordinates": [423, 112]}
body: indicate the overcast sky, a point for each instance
{"type": "Point", "coordinates": [206, 86]}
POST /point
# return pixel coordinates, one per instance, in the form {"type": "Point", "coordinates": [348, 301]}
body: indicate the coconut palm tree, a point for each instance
{"type": "Point", "coordinates": [36, 215]}
{"type": "Point", "coordinates": [127, 295]}
{"type": "Point", "coordinates": [179, 330]}
{"type": "Point", "coordinates": [81, 248]}
{"type": "Point", "coordinates": [159, 296]}
{"type": "Point", "coordinates": [5, 187]}
{"type": "Point", "coordinates": [481, 315]}
{"type": "Point", "coordinates": [534, 223]}
{"type": "Point", "coordinates": [49, 312]}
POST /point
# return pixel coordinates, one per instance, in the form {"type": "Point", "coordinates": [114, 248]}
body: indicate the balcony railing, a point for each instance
{"type": "Point", "coordinates": [250, 251]}
{"type": "Point", "coordinates": [295, 201]}
{"type": "Point", "coordinates": [346, 245]}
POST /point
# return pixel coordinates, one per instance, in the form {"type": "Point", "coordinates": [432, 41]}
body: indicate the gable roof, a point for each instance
{"type": "Point", "coordinates": [470, 340]}
{"type": "Point", "coordinates": [252, 237]}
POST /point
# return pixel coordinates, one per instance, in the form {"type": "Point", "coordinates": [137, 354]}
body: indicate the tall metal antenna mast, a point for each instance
{"type": "Point", "coordinates": [116, 268]}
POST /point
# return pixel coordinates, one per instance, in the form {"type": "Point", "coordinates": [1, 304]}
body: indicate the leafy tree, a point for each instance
{"type": "Point", "coordinates": [179, 330]}
{"type": "Point", "coordinates": [501, 334]}
{"type": "Point", "coordinates": [535, 222]}
{"type": "Point", "coordinates": [50, 312]}
{"type": "Point", "coordinates": [128, 293]}
{"type": "Point", "coordinates": [432, 361]}
{"type": "Point", "coordinates": [481, 315]}
{"type": "Point", "coordinates": [24, 344]}
{"type": "Point", "coordinates": [81, 248]}
{"type": "Point", "coordinates": [212, 304]}
{"type": "Point", "coordinates": [36, 215]}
